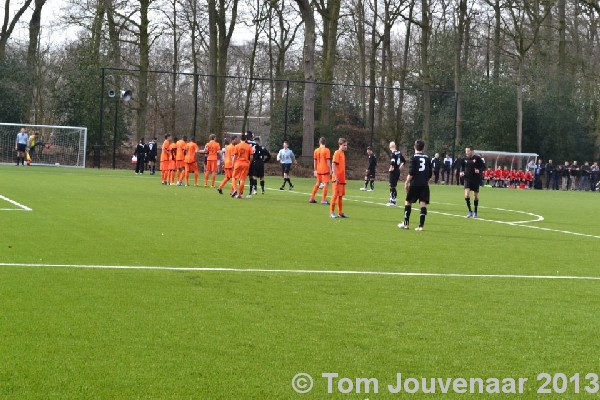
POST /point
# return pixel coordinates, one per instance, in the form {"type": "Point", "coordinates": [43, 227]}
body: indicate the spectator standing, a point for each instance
{"type": "Point", "coordinates": [436, 165]}
{"type": "Point", "coordinates": [550, 169]}
{"type": "Point", "coordinates": [585, 176]}
{"type": "Point", "coordinates": [575, 175]}
{"type": "Point", "coordinates": [447, 169]}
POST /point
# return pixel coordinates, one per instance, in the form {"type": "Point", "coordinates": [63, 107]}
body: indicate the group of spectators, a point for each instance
{"type": "Point", "coordinates": [536, 175]}
{"type": "Point", "coordinates": [567, 176]}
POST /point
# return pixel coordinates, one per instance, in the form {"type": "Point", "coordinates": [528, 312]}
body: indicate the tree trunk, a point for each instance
{"type": "Point", "coordinates": [330, 16]}
{"type": "Point", "coordinates": [32, 52]}
{"type": "Point", "coordinates": [425, 31]}
{"type": "Point", "coordinates": [400, 136]}
{"type": "Point", "coordinates": [520, 106]}
{"type": "Point", "coordinates": [8, 25]}
{"type": "Point", "coordinates": [213, 62]}
{"type": "Point", "coordinates": [173, 113]}
{"type": "Point", "coordinates": [462, 12]}
{"type": "Point", "coordinates": [250, 87]}
{"type": "Point", "coordinates": [144, 48]}
{"type": "Point", "coordinates": [308, 136]}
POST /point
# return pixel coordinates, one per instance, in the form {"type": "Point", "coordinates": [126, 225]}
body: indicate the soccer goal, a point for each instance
{"type": "Point", "coordinates": [61, 146]}
{"type": "Point", "coordinates": [500, 159]}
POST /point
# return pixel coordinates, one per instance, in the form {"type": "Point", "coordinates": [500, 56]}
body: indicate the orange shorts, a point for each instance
{"type": "Point", "coordinates": [172, 165]}
{"type": "Point", "coordinates": [211, 165]}
{"type": "Point", "coordinates": [339, 189]}
{"type": "Point", "coordinates": [240, 171]}
{"type": "Point", "coordinates": [164, 165]}
{"type": "Point", "coordinates": [229, 173]}
{"type": "Point", "coordinates": [322, 178]}
{"type": "Point", "coordinates": [191, 167]}
{"type": "Point", "coordinates": [180, 164]}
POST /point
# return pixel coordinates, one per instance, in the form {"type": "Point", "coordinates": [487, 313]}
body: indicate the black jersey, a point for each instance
{"type": "Point", "coordinates": [420, 170]}
{"type": "Point", "coordinates": [436, 164]}
{"type": "Point", "coordinates": [372, 162]}
{"type": "Point", "coordinates": [396, 161]}
{"type": "Point", "coordinates": [469, 165]}
{"type": "Point", "coordinates": [152, 149]}
{"type": "Point", "coordinates": [261, 155]}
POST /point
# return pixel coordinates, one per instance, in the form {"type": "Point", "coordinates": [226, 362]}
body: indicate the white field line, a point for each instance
{"type": "Point", "coordinates": [512, 223]}
{"type": "Point", "coordinates": [302, 271]}
{"type": "Point", "coordinates": [21, 206]}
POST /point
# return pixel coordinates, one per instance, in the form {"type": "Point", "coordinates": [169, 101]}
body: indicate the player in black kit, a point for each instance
{"type": "Point", "coordinates": [471, 168]}
{"type": "Point", "coordinates": [261, 156]}
{"type": "Point", "coordinates": [396, 162]}
{"type": "Point", "coordinates": [417, 185]}
{"type": "Point", "coordinates": [370, 172]}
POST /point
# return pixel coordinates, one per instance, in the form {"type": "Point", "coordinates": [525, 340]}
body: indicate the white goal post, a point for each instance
{"type": "Point", "coordinates": [497, 159]}
{"type": "Point", "coordinates": [61, 146]}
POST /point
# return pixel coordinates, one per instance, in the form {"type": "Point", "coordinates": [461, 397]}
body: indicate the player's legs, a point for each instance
{"type": "Point", "coordinates": [423, 214]}
{"type": "Point", "coordinates": [325, 189]}
{"type": "Point", "coordinates": [468, 201]}
{"type": "Point", "coordinates": [334, 199]}
{"type": "Point", "coordinates": [341, 192]}
{"type": "Point", "coordinates": [315, 189]}
{"type": "Point", "coordinates": [475, 202]}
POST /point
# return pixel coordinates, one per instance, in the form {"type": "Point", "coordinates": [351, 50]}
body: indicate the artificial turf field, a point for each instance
{"type": "Point", "coordinates": [432, 304]}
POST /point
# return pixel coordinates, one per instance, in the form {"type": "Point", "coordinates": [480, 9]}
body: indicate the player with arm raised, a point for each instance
{"type": "Point", "coordinates": [416, 185]}
{"type": "Point", "coordinates": [470, 169]}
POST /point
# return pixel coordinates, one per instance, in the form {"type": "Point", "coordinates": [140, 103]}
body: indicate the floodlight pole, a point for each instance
{"type": "Point", "coordinates": [114, 160]}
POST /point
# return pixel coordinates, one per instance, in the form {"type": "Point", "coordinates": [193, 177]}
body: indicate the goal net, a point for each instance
{"type": "Point", "coordinates": [501, 159]}
{"type": "Point", "coordinates": [61, 146]}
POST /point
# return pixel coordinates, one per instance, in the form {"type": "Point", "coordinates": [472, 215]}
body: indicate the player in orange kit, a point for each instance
{"type": "Point", "coordinates": [322, 165]}
{"type": "Point", "coordinates": [242, 157]}
{"type": "Point", "coordinates": [180, 159]}
{"type": "Point", "coordinates": [212, 150]}
{"type": "Point", "coordinates": [338, 177]}
{"type": "Point", "coordinates": [228, 163]}
{"type": "Point", "coordinates": [165, 156]}
{"type": "Point", "coordinates": [172, 161]}
{"type": "Point", "coordinates": [191, 148]}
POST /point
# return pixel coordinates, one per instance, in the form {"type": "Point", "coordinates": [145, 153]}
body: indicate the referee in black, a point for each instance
{"type": "Point", "coordinates": [471, 168]}
{"type": "Point", "coordinates": [261, 156]}
{"type": "Point", "coordinates": [417, 185]}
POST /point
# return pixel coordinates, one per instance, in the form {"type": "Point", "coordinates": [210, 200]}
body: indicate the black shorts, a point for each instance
{"type": "Point", "coordinates": [257, 170]}
{"type": "Point", "coordinates": [371, 173]}
{"type": "Point", "coordinates": [418, 193]}
{"type": "Point", "coordinates": [21, 147]}
{"type": "Point", "coordinates": [472, 184]}
{"type": "Point", "coordinates": [394, 177]}
{"type": "Point", "coordinates": [152, 157]}
{"type": "Point", "coordinates": [285, 168]}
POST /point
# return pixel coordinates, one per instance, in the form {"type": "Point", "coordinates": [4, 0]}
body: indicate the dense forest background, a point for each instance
{"type": "Point", "coordinates": [498, 74]}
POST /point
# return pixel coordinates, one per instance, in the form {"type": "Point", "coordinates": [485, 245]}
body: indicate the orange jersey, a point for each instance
{"type": "Point", "coordinates": [180, 148]}
{"type": "Point", "coordinates": [322, 155]}
{"type": "Point", "coordinates": [228, 156]}
{"type": "Point", "coordinates": [164, 154]}
{"type": "Point", "coordinates": [212, 149]}
{"type": "Point", "coordinates": [242, 153]}
{"type": "Point", "coordinates": [190, 152]}
{"type": "Point", "coordinates": [339, 164]}
{"type": "Point", "coordinates": [173, 148]}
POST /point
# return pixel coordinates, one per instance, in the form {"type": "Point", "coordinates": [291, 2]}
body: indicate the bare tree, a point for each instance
{"type": "Point", "coordinates": [523, 27]}
{"type": "Point", "coordinates": [8, 25]}
{"type": "Point", "coordinates": [220, 32]}
{"type": "Point", "coordinates": [308, 136]}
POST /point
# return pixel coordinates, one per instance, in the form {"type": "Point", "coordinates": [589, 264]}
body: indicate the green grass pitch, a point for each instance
{"type": "Point", "coordinates": [71, 331]}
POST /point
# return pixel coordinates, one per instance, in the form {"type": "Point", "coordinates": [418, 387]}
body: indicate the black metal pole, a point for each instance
{"type": "Point", "coordinates": [101, 133]}
{"type": "Point", "coordinates": [287, 97]}
{"type": "Point", "coordinates": [372, 112]}
{"type": "Point", "coordinates": [454, 135]}
{"type": "Point", "coordinates": [196, 79]}
{"type": "Point", "coordinates": [114, 163]}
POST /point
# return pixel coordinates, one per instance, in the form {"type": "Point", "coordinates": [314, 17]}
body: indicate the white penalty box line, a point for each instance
{"type": "Point", "coordinates": [303, 271]}
{"type": "Point", "coordinates": [21, 206]}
